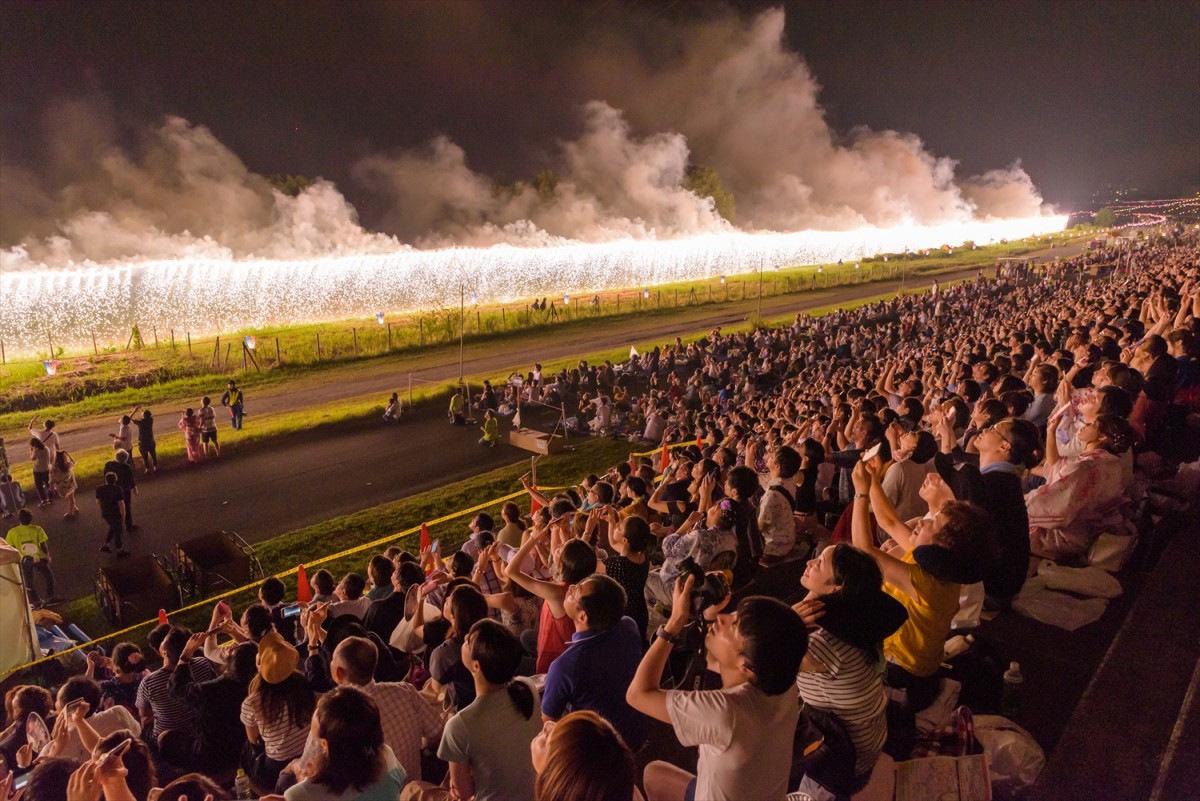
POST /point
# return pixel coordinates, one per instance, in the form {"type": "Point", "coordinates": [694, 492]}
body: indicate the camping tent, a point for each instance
{"type": "Point", "coordinates": [17, 635]}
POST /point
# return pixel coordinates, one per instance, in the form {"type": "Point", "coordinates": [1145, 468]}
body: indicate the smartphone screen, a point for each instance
{"type": "Point", "coordinates": [291, 611]}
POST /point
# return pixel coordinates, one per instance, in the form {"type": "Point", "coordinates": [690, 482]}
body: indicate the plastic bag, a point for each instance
{"type": "Point", "coordinates": [1057, 608]}
{"type": "Point", "coordinates": [1014, 758]}
{"type": "Point", "coordinates": [970, 607]}
{"type": "Point", "coordinates": [1090, 581]}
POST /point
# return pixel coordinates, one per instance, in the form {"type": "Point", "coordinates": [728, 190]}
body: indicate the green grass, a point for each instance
{"type": "Point", "coordinates": [324, 545]}
{"type": "Point", "coordinates": [109, 382]}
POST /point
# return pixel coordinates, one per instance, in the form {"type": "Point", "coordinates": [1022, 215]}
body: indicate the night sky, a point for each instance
{"type": "Point", "coordinates": [1083, 93]}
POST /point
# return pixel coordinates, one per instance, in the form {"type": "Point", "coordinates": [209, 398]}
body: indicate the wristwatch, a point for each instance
{"type": "Point", "coordinates": [663, 634]}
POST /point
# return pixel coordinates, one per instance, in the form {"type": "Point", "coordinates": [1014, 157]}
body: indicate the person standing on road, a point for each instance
{"type": "Point", "coordinates": [62, 478]}
{"type": "Point", "coordinates": [111, 501]}
{"type": "Point", "coordinates": [234, 399]}
{"type": "Point", "coordinates": [145, 439]}
{"type": "Point", "coordinates": [189, 423]}
{"type": "Point", "coordinates": [39, 454]}
{"type": "Point", "coordinates": [46, 434]}
{"type": "Point", "coordinates": [123, 439]}
{"type": "Point", "coordinates": [122, 466]}
{"type": "Point", "coordinates": [30, 541]}
{"type": "Point", "coordinates": [208, 427]}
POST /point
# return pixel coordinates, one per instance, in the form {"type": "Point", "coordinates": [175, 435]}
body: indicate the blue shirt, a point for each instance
{"type": "Point", "coordinates": [594, 673]}
{"type": "Point", "coordinates": [1001, 467]}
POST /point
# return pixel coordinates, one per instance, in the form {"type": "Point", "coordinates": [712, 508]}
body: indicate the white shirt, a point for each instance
{"type": "Point", "coordinates": [745, 738]}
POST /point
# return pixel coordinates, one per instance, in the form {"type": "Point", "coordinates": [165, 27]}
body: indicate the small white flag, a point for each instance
{"type": "Point", "coordinates": [633, 354]}
{"type": "Point", "coordinates": [51, 366]}
{"type": "Point", "coordinates": [250, 342]}
{"type": "Point", "coordinates": [379, 317]}
{"type": "Point", "coordinates": [517, 419]}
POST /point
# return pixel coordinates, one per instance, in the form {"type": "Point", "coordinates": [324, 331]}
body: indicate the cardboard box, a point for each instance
{"type": "Point", "coordinates": [536, 441]}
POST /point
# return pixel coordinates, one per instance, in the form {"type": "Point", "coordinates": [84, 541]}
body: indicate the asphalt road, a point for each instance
{"type": "Point", "coordinates": [274, 488]}
{"type": "Point", "coordinates": [269, 490]}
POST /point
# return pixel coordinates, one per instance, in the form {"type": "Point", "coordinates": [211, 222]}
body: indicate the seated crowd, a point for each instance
{"type": "Point", "coordinates": [907, 450]}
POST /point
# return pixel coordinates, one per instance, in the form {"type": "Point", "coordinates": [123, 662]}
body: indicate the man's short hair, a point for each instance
{"type": "Point", "coordinates": [25, 516]}
{"type": "Point", "coordinates": [788, 460]}
{"type": "Point", "coordinates": [157, 634]}
{"type": "Point", "coordinates": [81, 687]}
{"type": "Point", "coordinates": [354, 586]}
{"type": "Point", "coordinates": [175, 641]}
{"type": "Point", "coordinates": [604, 603]}
{"type": "Point", "coordinates": [410, 573]}
{"type": "Point", "coordinates": [484, 521]}
{"type": "Point", "coordinates": [775, 641]}
{"type": "Point", "coordinates": [359, 656]}
{"type": "Point", "coordinates": [272, 591]}
{"type": "Point", "coordinates": [110, 478]}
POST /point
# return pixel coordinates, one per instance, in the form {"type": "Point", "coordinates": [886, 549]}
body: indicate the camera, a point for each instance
{"type": "Point", "coordinates": [708, 589]}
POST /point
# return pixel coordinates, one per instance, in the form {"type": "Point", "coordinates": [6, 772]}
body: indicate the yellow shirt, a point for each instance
{"type": "Point", "coordinates": [917, 645]}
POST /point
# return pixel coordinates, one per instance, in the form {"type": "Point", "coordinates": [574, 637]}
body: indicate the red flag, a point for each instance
{"type": "Point", "coordinates": [666, 458]}
{"type": "Point", "coordinates": [533, 504]}
{"type": "Point", "coordinates": [424, 537]}
{"type": "Point", "coordinates": [303, 588]}
{"type": "Point", "coordinates": [700, 443]}
{"type": "Point", "coordinates": [162, 615]}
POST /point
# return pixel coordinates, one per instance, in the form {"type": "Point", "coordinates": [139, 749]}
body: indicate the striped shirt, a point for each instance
{"type": "Point", "coordinates": [851, 689]}
{"type": "Point", "coordinates": [283, 740]}
{"type": "Point", "coordinates": [170, 713]}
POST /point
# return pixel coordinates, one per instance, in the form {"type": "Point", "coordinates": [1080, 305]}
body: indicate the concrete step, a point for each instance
{"type": "Point", "coordinates": [1137, 715]}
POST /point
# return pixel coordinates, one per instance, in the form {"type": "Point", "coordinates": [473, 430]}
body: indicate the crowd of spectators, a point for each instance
{"type": "Point", "coordinates": [902, 452]}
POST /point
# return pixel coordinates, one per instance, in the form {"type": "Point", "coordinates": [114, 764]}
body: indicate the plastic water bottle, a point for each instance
{"type": "Point", "coordinates": [1011, 701]}
{"type": "Point", "coordinates": [241, 785]}
{"type": "Point", "coordinates": [958, 644]}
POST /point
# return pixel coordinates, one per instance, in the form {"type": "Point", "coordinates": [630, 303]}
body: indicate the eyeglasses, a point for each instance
{"type": "Point", "coordinates": [995, 427]}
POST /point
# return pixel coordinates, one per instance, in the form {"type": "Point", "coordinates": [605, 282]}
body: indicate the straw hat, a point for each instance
{"type": "Point", "coordinates": [276, 659]}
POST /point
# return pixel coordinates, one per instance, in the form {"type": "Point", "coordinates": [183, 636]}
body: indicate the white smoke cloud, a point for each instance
{"type": "Point", "coordinates": [1003, 194]}
{"type": "Point", "coordinates": [729, 95]}
{"type": "Point", "coordinates": [181, 193]}
{"type": "Point", "coordinates": [749, 108]}
{"type": "Point", "coordinates": [610, 185]}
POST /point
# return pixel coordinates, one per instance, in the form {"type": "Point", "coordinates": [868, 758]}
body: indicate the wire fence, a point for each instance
{"type": "Point", "coordinates": [322, 343]}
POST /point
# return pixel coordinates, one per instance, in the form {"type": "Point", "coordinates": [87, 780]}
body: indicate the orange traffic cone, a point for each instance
{"type": "Point", "coordinates": [303, 588]}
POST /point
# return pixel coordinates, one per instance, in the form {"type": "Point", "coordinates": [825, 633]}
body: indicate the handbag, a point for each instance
{"type": "Point", "coordinates": [822, 750]}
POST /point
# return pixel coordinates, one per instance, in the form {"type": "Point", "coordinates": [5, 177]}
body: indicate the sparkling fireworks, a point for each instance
{"type": "Point", "coordinates": [207, 295]}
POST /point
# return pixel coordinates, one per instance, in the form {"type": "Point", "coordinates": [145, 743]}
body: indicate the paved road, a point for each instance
{"type": "Point", "coordinates": [266, 491]}
{"type": "Point", "coordinates": [275, 488]}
